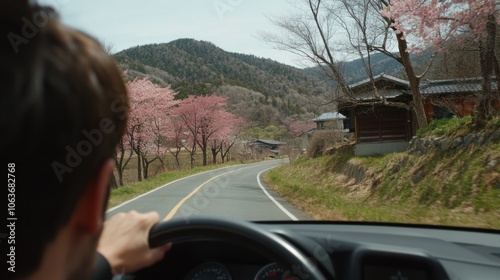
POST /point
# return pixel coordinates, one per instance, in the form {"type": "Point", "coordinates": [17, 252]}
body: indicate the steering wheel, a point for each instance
{"type": "Point", "coordinates": [238, 232]}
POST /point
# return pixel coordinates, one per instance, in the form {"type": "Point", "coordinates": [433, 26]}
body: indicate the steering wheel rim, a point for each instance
{"type": "Point", "coordinates": [239, 232]}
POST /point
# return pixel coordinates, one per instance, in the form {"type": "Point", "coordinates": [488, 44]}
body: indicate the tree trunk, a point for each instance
{"type": "Point", "coordinates": [139, 168]}
{"type": "Point", "coordinates": [177, 162]}
{"type": "Point", "coordinates": [497, 74]}
{"type": "Point", "coordinates": [162, 164]}
{"type": "Point", "coordinates": [486, 58]}
{"type": "Point", "coordinates": [225, 152]}
{"type": "Point", "coordinates": [120, 176]}
{"type": "Point", "coordinates": [120, 163]}
{"type": "Point", "coordinates": [214, 155]}
{"type": "Point", "coordinates": [414, 80]}
{"type": "Point", "coordinates": [175, 153]}
{"type": "Point", "coordinates": [204, 147]}
{"type": "Point", "coordinates": [145, 166]}
{"type": "Point", "coordinates": [191, 154]}
{"type": "Point", "coordinates": [204, 155]}
{"type": "Point", "coordinates": [112, 181]}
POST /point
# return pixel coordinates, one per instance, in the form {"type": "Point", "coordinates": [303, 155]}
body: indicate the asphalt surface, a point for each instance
{"type": "Point", "coordinates": [235, 191]}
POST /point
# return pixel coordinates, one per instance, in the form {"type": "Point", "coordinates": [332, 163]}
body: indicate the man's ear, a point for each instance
{"type": "Point", "coordinates": [89, 212]}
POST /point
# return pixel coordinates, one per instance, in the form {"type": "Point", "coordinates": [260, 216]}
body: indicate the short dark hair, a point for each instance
{"type": "Point", "coordinates": [64, 107]}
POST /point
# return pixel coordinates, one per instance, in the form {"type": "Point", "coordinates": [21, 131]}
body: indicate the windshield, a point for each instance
{"type": "Point", "coordinates": [304, 110]}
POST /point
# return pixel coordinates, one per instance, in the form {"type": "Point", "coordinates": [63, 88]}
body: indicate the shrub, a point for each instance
{"type": "Point", "coordinates": [321, 140]}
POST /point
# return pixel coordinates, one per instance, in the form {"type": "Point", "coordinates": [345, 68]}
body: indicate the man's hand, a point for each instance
{"type": "Point", "coordinates": [124, 242]}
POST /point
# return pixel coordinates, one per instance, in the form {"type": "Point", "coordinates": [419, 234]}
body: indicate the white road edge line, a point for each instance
{"type": "Point", "coordinates": [290, 215]}
{"type": "Point", "coordinates": [144, 194]}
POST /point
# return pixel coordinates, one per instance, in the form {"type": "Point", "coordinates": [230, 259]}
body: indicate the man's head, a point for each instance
{"type": "Point", "coordinates": [64, 108]}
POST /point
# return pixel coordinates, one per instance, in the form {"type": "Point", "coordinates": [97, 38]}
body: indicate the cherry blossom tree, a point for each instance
{"type": "Point", "coordinates": [187, 113]}
{"type": "Point", "coordinates": [205, 117]}
{"type": "Point", "coordinates": [296, 127]}
{"type": "Point", "coordinates": [232, 137]}
{"type": "Point", "coordinates": [150, 107]}
{"type": "Point", "coordinates": [432, 23]}
{"type": "Point", "coordinates": [225, 138]}
{"type": "Point", "coordinates": [176, 136]}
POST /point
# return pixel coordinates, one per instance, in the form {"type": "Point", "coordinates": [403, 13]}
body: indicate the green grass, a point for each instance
{"type": "Point", "coordinates": [445, 127]}
{"type": "Point", "coordinates": [132, 190]}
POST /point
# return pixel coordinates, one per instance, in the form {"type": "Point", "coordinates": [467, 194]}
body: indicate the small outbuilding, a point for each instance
{"type": "Point", "coordinates": [330, 120]}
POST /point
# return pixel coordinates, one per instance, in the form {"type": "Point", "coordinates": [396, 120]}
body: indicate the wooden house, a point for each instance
{"type": "Point", "coordinates": [381, 129]}
{"type": "Point", "coordinates": [266, 148]}
{"type": "Point", "coordinates": [447, 98]}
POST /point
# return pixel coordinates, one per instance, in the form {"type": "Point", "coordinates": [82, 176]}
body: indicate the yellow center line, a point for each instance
{"type": "Point", "coordinates": [178, 206]}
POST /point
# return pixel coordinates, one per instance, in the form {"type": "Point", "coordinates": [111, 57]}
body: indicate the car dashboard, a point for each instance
{"type": "Point", "coordinates": [359, 251]}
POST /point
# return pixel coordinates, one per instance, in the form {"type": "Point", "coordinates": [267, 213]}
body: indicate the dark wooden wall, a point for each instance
{"type": "Point", "coordinates": [383, 124]}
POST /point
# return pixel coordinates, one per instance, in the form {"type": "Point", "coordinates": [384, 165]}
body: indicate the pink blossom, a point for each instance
{"type": "Point", "coordinates": [432, 22]}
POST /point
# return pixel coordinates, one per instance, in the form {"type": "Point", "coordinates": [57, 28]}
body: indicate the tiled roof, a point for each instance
{"type": "Point", "coordinates": [270, 142]}
{"type": "Point", "coordinates": [471, 85]}
{"type": "Point", "coordinates": [427, 87]}
{"type": "Point", "coordinates": [329, 117]}
{"type": "Point", "coordinates": [309, 132]}
{"type": "Point", "coordinates": [387, 93]}
{"type": "Point", "coordinates": [381, 77]}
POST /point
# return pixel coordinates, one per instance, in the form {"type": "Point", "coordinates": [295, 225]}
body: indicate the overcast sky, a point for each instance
{"type": "Point", "coordinates": [232, 25]}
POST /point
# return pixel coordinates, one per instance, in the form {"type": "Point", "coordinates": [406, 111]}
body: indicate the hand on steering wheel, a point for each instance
{"type": "Point", "coordinates": [241, 233]}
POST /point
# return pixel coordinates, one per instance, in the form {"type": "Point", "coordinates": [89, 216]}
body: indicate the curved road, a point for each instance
{"type": "Point", "coordinates": [235, 191]}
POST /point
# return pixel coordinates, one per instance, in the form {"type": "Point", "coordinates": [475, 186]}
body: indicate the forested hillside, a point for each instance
{"type": "Point", "coordinates": [261, 90]}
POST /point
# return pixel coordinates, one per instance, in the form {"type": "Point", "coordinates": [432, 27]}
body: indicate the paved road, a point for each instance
{"type": "Point", "coordinates": [235, 191]}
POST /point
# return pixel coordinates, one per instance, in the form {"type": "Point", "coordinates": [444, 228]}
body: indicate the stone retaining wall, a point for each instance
{"type": "Point", "coordinates": [422, 145]}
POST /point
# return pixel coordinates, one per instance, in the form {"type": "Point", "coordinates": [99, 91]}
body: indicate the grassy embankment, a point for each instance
{"type": "Point", "coordinates": [458, 188]}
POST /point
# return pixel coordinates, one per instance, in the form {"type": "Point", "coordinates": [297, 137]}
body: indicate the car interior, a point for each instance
{"type": "Point", "coordinates": [219, 248]}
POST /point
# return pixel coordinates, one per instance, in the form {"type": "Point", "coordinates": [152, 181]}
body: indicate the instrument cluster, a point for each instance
{"type": "Point", "coordinates": [218, 271]}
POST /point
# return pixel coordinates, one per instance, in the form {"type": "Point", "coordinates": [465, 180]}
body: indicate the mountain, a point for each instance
{"type": "Point", "coordinates": [261, 90]}
{"type": "Point", "coordinates": [354, 70]}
